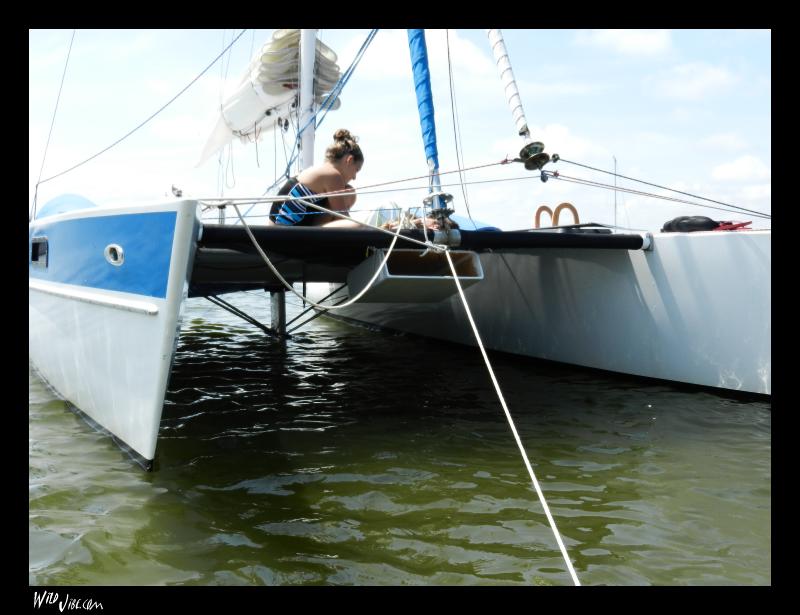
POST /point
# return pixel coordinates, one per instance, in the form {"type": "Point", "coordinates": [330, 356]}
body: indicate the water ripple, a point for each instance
{"type": "Point", "coordinates": [347, 457]}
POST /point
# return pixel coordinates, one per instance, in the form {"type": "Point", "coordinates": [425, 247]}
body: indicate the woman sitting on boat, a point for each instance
{"type": "Point", "coordinates": [343, 161]}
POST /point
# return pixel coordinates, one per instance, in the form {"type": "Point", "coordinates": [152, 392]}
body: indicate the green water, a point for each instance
{"type": "Point", "coordinates": [349, 457]}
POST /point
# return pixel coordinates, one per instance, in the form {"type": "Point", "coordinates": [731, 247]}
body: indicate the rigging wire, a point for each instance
{"type": "Point", "coordinates": [695, 196]}
{"type": "Point", "coordinates": [227, 64]}
{"type": "Point", "coordinates": [330, 99]}
{"type": "Point", "coordinates": [230, 172]}
{"type": "Point", "coordinates": [595, 184]}
{"type": "Point", "coordinates": [556, 175]}
{"type": "Point", "coordinates": [168, 103]}
{"type": "Point", "coordinates": [32, 213]}
{"type": "Point", "coordinates": [284, 128]}
{"type": "Point", "coordinates": [440, 173]}
{"type": "Point", "coordinates": [457, 130]}
{"type": "Point", "coordinates": [256, 137]}
{"type": "Point", "coordinates": [221, 152]}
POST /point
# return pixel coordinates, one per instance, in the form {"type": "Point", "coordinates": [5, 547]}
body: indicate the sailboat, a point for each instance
{"type": "Point", "coordinates": [107, 285]}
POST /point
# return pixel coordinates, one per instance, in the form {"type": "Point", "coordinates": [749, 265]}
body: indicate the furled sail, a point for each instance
{"type": "Point", "coordinates": [509, 83]}
{"type": "Point", "coordinates": [422, 86]}
{"type": "Point", "coordinates": [532, 153]}
{"type": "Point", "coordinates": [268, 90]}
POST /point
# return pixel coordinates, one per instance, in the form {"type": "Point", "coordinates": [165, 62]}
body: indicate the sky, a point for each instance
{"type": "Point", "coordinates": [684, 109]}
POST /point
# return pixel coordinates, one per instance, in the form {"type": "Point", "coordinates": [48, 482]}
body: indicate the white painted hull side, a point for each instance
{"type": "Point", "coordinates": [106, 350]}
{"type": "Point", "coordinates": [695, 309]}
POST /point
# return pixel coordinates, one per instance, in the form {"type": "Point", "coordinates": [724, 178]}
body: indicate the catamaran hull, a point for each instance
{"type": "Point", "coordinates": [102, 334]}
{"type": "Point", "coordinates": [695, 309]}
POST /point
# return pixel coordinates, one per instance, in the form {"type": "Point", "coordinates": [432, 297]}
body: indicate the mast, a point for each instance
{"type": "Point", "coordinates": [532, 153]}
{"type": "Point", "coordinates": [308, 52]}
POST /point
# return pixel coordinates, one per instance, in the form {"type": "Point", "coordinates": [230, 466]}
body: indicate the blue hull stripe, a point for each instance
{"type": "Point", "coordinates": [76, 252]}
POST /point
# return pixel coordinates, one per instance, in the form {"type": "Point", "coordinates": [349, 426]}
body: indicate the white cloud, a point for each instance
{"type": "Point", "coordinates": [115, 46]}
{"type": "Point", "coordinates": [757, 192]}
{"type": "Point", "coordinates": [727, 141]}
{"type": "Point", "coordinates": [388, 55]}
{"type": "Point", "coordinates": [560, 140]}
{"type": "Point", "coordinates": [464, 54]}
{"type": "Point", "coordinates": [629, 42]}
{"type": "Point", "coordinates": [744, 168]}
{"type": "Point", "coordinates": [50, 54]}
{"type": "Point", "coordinates": [692, 81]}
{"type": "Point", "coordinates": [655, 140]}
{"type": "Point", "coordinates": [549, 90]}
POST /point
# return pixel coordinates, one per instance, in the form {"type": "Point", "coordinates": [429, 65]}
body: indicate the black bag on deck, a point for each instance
{"type": "Point", "coordinates": [687, 224]}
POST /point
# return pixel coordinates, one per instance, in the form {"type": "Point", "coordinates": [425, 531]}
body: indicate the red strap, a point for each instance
{"type": "Point", "coordinates": [732, 226]}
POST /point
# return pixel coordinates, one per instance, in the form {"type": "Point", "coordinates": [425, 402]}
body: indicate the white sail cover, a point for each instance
{"type": "Point", "coordinates": [269, 88]}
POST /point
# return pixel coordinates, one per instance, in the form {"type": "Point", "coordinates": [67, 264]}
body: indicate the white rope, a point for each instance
{"type": "Point", "coordinates": [395, 235]}
{"type": "Point", "coordinates": [511, 424]}
{"type": "Point", "coordinates": [351, 301]}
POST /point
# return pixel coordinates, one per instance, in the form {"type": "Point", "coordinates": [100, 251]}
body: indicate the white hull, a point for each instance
{"type": "Point", "coordinates": [109, 352]}
{"type": "Point", "coordinates": [695, 309]}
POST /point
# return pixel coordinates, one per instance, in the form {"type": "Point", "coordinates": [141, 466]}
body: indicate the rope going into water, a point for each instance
{"type": "Point", "coordinates": [429, 245]}
{"type": "Point", "coordinates": [511, 424]}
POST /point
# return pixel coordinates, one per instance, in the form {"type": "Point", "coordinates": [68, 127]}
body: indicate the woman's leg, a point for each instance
{"type": "Point", "coordinates": [340, 223]}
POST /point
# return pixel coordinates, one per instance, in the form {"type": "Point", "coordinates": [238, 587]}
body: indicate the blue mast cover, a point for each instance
{"type": "Point", "coordinates": [422, 86]}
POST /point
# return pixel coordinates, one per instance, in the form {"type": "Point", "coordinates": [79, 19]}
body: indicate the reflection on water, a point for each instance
{"type": "Point", "coordinates": [347, 456]}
